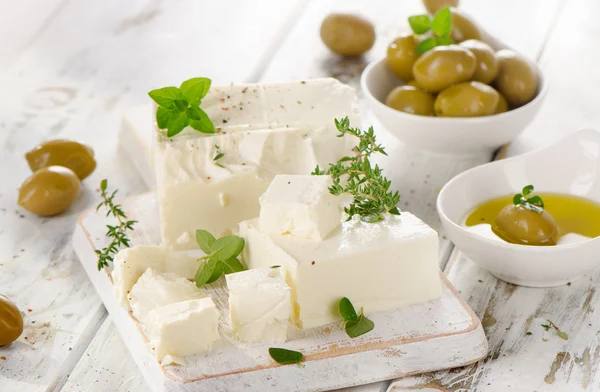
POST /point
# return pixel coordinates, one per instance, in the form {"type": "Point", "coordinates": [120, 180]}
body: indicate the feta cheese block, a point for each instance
{"type": "Point", "coordinates": [259, 305]}
{"type": "Point", "coordinates": [183, 328]}
{"type": "Point", "coordinates": [300, 205]}
{"type": "Point", "coordinates": [378, 266]}
{"type": "Point", "coordinates": [130, 263]}
{"type": "Point", "coordinates": [262, 130]}
{"type": "Point", "coordinates": [154, 289]}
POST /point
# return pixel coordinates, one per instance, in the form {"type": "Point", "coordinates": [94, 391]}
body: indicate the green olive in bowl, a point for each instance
{"type": "Point", "coordinates": [76, 156]}
{"type": "Point", "coordinates": [517, 78]}
{"type": "Point", "coordinates": [11, 321]}
{"type": "Point", "coordinates": [519, 225]}
{"type": "Point", "coordinates": [49, 191]}
{"type": "Point", "coordinates": [463, 27]}
{"type": "Point", "coordinates": [444, 66]}
{"type": "Point", "coordinates": [347, 35]}
{"type": "Point", "coordinates": [401, 56]}
{"type": "Point", "coordinates": [487, 63]}
{"type": "Point", "coordinates": [502, 105]}
{"type": "Point", "coordinates": [433, 6]}
{"type": "Point", "coordinates": [469, 99]}
{"type": "Point", "coordinates": [411, 99]}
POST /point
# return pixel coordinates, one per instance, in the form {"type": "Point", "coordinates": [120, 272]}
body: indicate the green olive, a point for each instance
{"type": "Point", "coordinates": [76, 156]}
{"type": "Point", "coordinates": [347, 35]}
{"type": "Point", "coordinates": [517, 78]}
{"type": "Point", "coordinates": [444, 66]}
{"type": "Point", "coordinates": [469, 99]}
{"type": "Point", "coordinates": [401, 56]}
{"type": "Point", "coordinates": [487, 63]}
{"type": "Point", "coordinates": [463, 27]}
{"type": "Point", "coordinates": [502, 105]}
{"type": "Point", "coordinates": [433, 6]}
{"type": "Point", "coordinates": [519, 225]}
{"type": "Point", "coordinates": [11, 321]}
{"type": "Point", "coordinates": [49, 191]}
{"type": "Point", "coordinates": [411, 99]}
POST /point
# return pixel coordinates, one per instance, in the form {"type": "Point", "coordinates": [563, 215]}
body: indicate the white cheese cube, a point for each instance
{"type": "Point", "coordinates": [378, 266]}
{"type": "Point", "coordinates": [130, 263]}
{"type": "Point", "coordinates": [262, 130]}
{"type": "Point", "coordinates": [259, 305]}
{"type": "Point", "coordinates": [154, 289]}
{"type": "Point", "coordinates": [300, 205]}
{"type": "Point", "coordinates": [183, 328]}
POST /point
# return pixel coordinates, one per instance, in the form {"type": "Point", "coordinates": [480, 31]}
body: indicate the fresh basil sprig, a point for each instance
{"type": "Point", "coordinates": [440, 26]}
{"type": "Point", "coordinates": [221, 256]}
{"type": "Point", "coordinates": [532, 203]}
{"type": "Point", "coordinates": [285, 357]}
{"type": "Point", "coordinates": [180, 107]}
{"type": "Point", "coordinates": [354, 324]}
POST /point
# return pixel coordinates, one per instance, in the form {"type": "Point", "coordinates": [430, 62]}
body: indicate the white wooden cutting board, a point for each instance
{"type": "Point", "coordinates": [436, 335]}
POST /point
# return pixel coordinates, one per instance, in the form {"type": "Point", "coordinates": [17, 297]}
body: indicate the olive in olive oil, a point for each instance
{"type": "Point", "coordinates": [572, 214]}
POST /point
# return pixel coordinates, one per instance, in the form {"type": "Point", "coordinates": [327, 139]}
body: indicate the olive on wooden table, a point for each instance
{"type": "Point", "coordinates": [76, 156]}
{"type": "Point", "coordinates": [519, 225]}
{"type": "Point", "coordinates": [517, 78]}
{"type": "Point", "coordinates": [401, 56]}
{"type": "Point", "coordinates": [49, 191]}
{"type": "Point", "coordinates": [502, 105]}
{"type": "Point", "coordinates": [469, 99]}
{"type": "Point", "coordinates": [11, 321]}
{"type": "Point", "coordinates": [411, 99]}
{"type": "Point", "coordinates": [347, 35]}
{"type": "Point", "coordinates": [444, 66]}
{"type": "Point", "coordinates": [433, 6]}
{"type": "Point", "coordinates": [487, 63]}
{"type": "Point", "coordinates": [463, 27]}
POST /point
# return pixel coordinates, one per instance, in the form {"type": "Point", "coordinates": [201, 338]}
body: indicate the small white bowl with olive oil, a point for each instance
{"type": "Point", "coordinates": [566, 176]}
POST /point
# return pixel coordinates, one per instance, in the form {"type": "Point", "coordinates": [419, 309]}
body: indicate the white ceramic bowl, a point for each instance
{"type": "Point", "coordinates": [445, 135]}
{"type": "Point", "coordinates": [571, 166]}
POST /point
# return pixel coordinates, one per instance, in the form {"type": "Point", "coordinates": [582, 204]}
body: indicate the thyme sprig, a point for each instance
{"type": "Point", "coordinates": [527, 200]}
{"type": "Point", "coordinates": [118, 233]}
{"type": "Point", "coordinates": [354, 175]}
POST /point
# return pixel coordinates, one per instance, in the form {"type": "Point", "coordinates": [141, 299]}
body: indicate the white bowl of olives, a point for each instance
{"type": "Point", "coordinates": [454, 91]}
{"type": "Point", "coordinates": [539, 237]}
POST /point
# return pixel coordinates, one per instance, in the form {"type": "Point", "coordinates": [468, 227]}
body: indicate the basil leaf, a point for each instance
{"type": "Point", "coordinates": [195, 89]}
{"type": "Point", "coordinates": [177, 123]}
{"type": "Point", "coordinates": [420, 24]}
{"type": "Point", "coordinates": [205, 241]}
{"type": "Point", "coordinates": [285, 357]}
{"type": "Point", "coordinates": [228, 247]}
{"type": "Point", "coordinates": [347, 310]}
{"type": "Point", "coordinates": [205, 273]}
{"type": "Point", "coordinates": [442, 22]}
{"type": "Point", "coordinates": [527, 190]}
{"type": "Point", "coordinates": [359, 327]}
{"type": "Point", "coordinates": [166, 96]}
{"type": "Point", "coordinates": [204, 124]}
{"type": "Point", "coordinates": [232, 265]}
{"type": "Point", "coordinates": [218, 271]}
{"type": "Point", "coordinates": [426, 45]}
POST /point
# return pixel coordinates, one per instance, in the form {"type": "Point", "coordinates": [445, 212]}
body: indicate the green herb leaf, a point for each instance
{"type": "Point", "coordinates": [546, 326]}
{"type": "Point", "coordinates": [232, 265]}
{"type": "Point", "coordinates": [206, 272]}
{"type": "Point", "coordinates": [517, 199]}
{"type": "Point", "coordinates": [445, 40]}
{"type": "Point", "coordinates": [275, 266]}
{"type": "Point", "coordinates": [442, 22]}
{"type": "Point", "coordinates": [203, 123]}
{"type": "Point", "coordinates": [562, 335]}
{"type": "Point", "coordinates": [163, 117]}
{"type": "Point", "coordinates": [536, 201]}
{"type": "Point", "coordinates": [217, 273]}
{"type": "Point", "coordinates": [103, 184]}
{"type": "Point", "coordinates": [427, 44]}
{"type": "Point", "coordinates": [205, 241]}
{"type": "Point", "coordinates": [528, 333]}
{"type": "Point", "coordinates": [285, 357]}
{"type": "Point", "coordinates": [347, 310]}
{"type": "Point", "coordinates": [195, 89]}
{"type": "Point", "coordinates": [181, 105]}
{"type": "Point", "coordinates": [166, 96]}
{"type": "Point", "coordinates": [228, 247]}
{"type": "Point", "coordinates": [177, 123]}
{"type": "Point", "coordinates": [420, 24]}
{"type": "Point", "coordinates": [359, 327]}
{"type": "Point", "coordinates": [527, 190]}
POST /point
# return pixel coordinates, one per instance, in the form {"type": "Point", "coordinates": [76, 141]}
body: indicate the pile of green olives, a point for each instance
{"type": "Point", "coordinates": [465, 79]}
{"type": "Point", "coordinates": [58, 167]}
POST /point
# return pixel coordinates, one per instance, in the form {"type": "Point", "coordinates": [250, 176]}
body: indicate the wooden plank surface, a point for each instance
{"type": "Point", "coordinates": [70, 71]}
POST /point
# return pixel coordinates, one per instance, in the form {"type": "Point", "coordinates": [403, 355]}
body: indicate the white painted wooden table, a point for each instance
{"type": "Point", "coordinates": [70, 69]}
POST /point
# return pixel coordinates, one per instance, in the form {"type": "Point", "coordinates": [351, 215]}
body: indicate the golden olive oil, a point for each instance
{"type": "Point", "coordinates": [572, 214]}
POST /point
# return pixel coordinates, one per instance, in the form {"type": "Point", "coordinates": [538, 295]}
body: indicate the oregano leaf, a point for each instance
{"type": "Point", "coordinates": [227, 247]}
{"type": "Point", "coordinates": [177, 123]}
{"type": "Point", "coordinates": [420, 24]}
{"type": "Point", "coordinates": [285, 357]}
{"type": "Point", "coordinates": [195, 89]}
{"type": "Point", "coordinates": [204, 124]}
{"type": "Point", "coordinates": [426, 45]}
{"type": "Point", "coordinates": [232, 265]}
{"type": "Point", "coordinates": [442, 22]}
{"type": "Point", "coordinates": [205, 241]}
{"type": "Point", "coordinates": [166, 96]}
{"type": "Point", "coordinates": [205, 272]}
{"type": "Point", "coordinates": [347, 310]}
